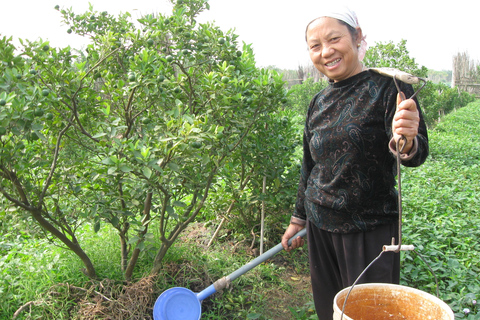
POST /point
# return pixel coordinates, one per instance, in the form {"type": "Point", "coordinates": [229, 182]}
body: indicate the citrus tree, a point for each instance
{"type": "Point", "coordinates": [131, 132]}
{"type": "Point", "coordinates": [391, 55]}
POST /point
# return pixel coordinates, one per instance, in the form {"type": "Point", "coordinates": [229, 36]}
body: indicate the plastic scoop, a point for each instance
{"type": "Point", "coordinates": [183, 304]}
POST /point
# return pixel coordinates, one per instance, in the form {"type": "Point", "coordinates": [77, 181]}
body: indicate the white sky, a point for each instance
{"type": "Point", "coordinates": [435, 30]}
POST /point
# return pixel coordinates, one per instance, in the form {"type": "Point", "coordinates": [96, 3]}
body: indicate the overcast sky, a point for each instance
{"type": "Point", "coordinates": [435, 30]}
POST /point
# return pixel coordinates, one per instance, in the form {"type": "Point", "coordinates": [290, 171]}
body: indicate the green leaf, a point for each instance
{"type": "Point", "coordinates": [108, 161]}
{"type": "Point", "coordinates": [125, 168]}
{"type": "Point", "coordinates": [133, 240]}
{"type": "Point", "coordinates": [179, 204]}
{"type": "Point", "coordinates": [99, 135]}
{"type": "Point", "coordinates": [106, 110]}
{"type": "Point", "coordinates": [96, 226]}
{"type": "Point", "coordinates": [114, 221]}
{"type": "Point", "coordinates": [174, 167]}
{"type": "Point", "coordinates": [170, 210]}
{"type": "Point", "coordinates": [188, 118]}
{"type": "Point", "coordinates": [37, 126]}
{"type": "Point", "coordinates": [147, 172]}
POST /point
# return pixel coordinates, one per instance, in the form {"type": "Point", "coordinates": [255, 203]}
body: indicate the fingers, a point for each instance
{"type": "Point", "coordinates": [296, 243]}
{"type": "Point", "coordinates": [405, 104]}
{"type": "Point", "coordinates": [289, 233]}
{"type": "Point", "coordinates": [406, 119]}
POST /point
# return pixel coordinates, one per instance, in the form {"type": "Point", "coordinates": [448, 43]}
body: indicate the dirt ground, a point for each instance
{"type": "Point", "coordinates": [282, 299]}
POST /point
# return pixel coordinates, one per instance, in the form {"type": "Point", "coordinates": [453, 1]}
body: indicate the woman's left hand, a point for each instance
{"type": "Point", "coordinates": [405, 122]}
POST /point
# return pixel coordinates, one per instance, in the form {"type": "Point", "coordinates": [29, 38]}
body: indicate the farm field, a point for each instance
{"type": "Point", "coordinates": [153, 157]}
{"type": "Point", "coordinates": [441, 218]}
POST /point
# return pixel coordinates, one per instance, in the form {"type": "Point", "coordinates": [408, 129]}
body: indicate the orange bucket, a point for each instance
{"type": "Point", "coordinates": [378, 301]}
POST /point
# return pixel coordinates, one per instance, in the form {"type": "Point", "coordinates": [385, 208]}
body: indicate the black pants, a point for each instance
{"type": "Point", "coordinates": [336, 260]}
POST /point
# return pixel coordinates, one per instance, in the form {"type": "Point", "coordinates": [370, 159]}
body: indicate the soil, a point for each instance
{"type": "Point", "coordinates": [295, 296]}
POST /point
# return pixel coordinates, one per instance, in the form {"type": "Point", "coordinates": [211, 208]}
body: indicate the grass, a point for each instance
{"type": "Point", "coordinates": [441, 218]}
{"type": "Point", "coordinates": [442, 214]}
{"type": "Point", "coordinates": [28, 269]}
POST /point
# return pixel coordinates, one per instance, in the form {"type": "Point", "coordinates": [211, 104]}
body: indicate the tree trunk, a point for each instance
{"type": "Point", "coordinates": [136, 252]}
{"type": "Point", "coordinates": [167, 243]}
{"type": "Point", "coordinates": [75, 247]}
{"type": "Point", "coordinates": [157, 263]}
{"type": "Point", "coordinates": [124, 251]}
{"type": "Point", "coordinates": [36, 213]}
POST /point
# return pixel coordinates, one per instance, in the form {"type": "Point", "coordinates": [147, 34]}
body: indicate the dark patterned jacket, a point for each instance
{"type": "Point", "coordinates": [347, 181]}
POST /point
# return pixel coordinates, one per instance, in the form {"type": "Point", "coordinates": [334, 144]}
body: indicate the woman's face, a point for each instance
{"type": "Point", "coordinates": [332, 49]}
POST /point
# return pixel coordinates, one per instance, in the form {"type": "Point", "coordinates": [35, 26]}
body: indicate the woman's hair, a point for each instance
{"type": "Point", "coordinates": [353, 32]}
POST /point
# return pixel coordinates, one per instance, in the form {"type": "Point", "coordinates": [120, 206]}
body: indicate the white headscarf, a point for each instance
{"type": "Point", "coordinates": [345, 14]}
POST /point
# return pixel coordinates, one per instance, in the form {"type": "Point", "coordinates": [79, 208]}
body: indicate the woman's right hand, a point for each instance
{"type": "Point", "coordinates": [290, 232]}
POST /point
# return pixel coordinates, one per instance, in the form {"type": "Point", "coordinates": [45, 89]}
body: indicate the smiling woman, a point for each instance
{"type": "Point", "coordinates": [346, 196]}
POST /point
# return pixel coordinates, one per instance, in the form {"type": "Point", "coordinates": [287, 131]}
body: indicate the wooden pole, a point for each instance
{"type": "Point", "coordinates": [262, 223]}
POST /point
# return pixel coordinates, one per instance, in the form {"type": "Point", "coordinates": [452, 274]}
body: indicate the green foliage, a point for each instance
{"type": "Point", "coordinates": [444, 77]}
{"type": "Point", "coordinates": [29, 266]}
{"type": "Point", "coordinates": [300, 95]}
{"type": "Point", "coordinates": [135, 129]}
{"type": "Point", "coordinates": [306, 312]}
{"type": "Point", "coordinates": [393, 56]}
{"type": "Point", "coordinates": [441, 213]}
{"type": "Point", "coordinates": [241, 185]}
{"type": "Point", "coordinates": [277, 158]}
{"type": "Point", "coordinates": [438, 99]}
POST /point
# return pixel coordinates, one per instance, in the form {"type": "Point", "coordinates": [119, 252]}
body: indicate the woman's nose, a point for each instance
{"type": "Point", "coordinates": [326, 51]}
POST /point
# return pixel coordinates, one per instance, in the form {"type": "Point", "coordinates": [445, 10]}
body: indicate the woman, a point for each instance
{"type": "Point", "coordinates": [346, 195]}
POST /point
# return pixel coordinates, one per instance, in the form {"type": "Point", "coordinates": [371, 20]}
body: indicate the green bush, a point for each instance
{"type": "Point", "coordinates": [439, 99]}
{"type": "Point", "coordinates": [300, 95]}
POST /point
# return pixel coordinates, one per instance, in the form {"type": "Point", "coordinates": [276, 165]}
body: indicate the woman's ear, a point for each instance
{"type": "Point", "coordinates": [359, 36]}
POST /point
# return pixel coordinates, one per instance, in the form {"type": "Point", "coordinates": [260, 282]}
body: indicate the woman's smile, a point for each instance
{"type": "Point", "coordinates": [333, 63]}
